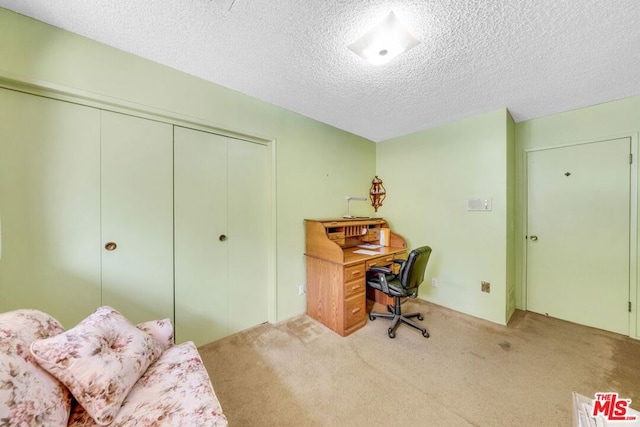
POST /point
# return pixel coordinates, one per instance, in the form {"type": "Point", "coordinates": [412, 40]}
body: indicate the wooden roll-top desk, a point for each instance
{"type": "Point", "coordinates": [336, 272]}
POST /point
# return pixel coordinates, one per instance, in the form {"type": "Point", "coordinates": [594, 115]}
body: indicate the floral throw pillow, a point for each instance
{"type": "Point", "coordinates": [99, 360]}
{"type": "Point", "coordinates": [161, 330]}
{"type": "Point", "coordinates": [29, 396]}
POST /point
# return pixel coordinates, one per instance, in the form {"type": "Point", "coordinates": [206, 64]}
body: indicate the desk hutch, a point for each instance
{"type": "Point", "coordinates": [336, 273]}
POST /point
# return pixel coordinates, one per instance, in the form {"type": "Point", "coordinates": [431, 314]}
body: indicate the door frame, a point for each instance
{"type": "Point", "coordinates": [103, 102]}
{"type": "Point", "coordinates": [633, 221]}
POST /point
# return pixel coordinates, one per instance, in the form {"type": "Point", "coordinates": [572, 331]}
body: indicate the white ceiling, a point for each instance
{"type": "Point", "coordinates": [535, 57]}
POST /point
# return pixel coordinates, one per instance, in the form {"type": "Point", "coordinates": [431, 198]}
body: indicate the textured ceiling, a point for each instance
{"type": "Point", "coordinates": [535, 57]}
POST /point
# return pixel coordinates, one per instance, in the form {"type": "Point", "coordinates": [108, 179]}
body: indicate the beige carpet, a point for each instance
{"type": "Point", "coordinates": [470, 372]}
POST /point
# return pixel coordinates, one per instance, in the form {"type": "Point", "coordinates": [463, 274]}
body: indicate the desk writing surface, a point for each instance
{"type": "Point", "coordinates": [350, 257]}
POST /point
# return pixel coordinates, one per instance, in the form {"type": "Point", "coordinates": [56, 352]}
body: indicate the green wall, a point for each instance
{"type": "Point", "coordinates": [510, 225]}
{"type": "Point", "coordinates": [316, 164]}
{"type": "Point", "coordinates": [429, 176]}
{"type": "Point", "coordinates": [609, 120]}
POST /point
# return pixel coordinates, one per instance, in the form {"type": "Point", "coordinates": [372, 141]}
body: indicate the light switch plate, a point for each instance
{"type": "Point", "coordinates": [479, 204]}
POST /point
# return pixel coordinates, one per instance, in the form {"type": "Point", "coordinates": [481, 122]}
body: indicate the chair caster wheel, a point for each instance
{"type": "Point", "coordinates": [420, 317]}
{"type": "Point", "coordinates": [391, 333]}
{"type": "Point", "coordinates": [371, 317]}
{"type": "Point", "coordinates": [425, 334]}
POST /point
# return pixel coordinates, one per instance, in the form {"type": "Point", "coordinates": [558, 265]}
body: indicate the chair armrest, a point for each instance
{"type": "Point", "coordinates": [384, 270]}
{"type": "Point", "coordinates": [382, 273]}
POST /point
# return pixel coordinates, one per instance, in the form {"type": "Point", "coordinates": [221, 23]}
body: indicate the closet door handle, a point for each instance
{"type": "Point", "coordinates": [111, 246]}
{"type": "Point", "coordinates": [222, 237]}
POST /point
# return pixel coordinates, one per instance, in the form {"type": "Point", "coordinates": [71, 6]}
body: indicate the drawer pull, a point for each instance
{"type": "Point", "coordinates": [355, 273]}
{"type": "Point", "coordinates": [353, 288]}
{"type": "Point", "coordinates": [355, 310]}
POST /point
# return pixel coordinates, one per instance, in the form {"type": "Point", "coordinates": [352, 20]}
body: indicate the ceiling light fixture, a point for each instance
{"type": "Point", "coordinates": [384, 42]}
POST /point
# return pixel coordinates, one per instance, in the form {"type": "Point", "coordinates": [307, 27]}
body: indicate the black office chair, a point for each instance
{"type": "Point", "coordinates": [404, 284]}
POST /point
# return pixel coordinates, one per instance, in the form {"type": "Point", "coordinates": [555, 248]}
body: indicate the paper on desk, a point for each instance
{"type": "Point", "coordinates": [366, 252]}
{"type": "Point", "coordinates": [370, 246]}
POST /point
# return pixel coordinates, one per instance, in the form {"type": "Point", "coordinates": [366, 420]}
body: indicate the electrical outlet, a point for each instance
{"type": "Point", "coordinates": [485, 287]}
{"type": "Point", "coordinates": [434, 282]}
{"type": "Point", "coordinates": [301, 290]}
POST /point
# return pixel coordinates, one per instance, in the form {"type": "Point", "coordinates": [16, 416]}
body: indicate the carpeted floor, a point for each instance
{"type": "Point", "coordinates": [469, 372]}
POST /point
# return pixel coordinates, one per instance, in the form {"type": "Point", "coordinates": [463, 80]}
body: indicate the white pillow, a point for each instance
{"type": "Point", "coordinates": [99, 360]}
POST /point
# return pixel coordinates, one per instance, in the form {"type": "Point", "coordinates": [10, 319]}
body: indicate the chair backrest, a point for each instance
{"type": "Point", "coordinates": [411, 274]}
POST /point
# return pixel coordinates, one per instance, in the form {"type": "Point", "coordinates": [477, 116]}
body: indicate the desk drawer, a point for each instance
{"type": "Point", "coordinates": [401, 255]}
{"type": "Point", "coordinates": [355, 310]}
{"type": "Point", "coordinates": [354, 287]}
{"type": "Point", "coordinates": [379, 262]}
{"type": "Point", "coordinates": [354, 272]}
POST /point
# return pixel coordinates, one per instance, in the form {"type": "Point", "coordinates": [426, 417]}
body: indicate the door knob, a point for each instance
{"type": "Point", "coordinates": [533, 238]}
{"type": "Point", "coordinates": [222, 237]}
{"type": "Point", "coordinates": [110, 246]}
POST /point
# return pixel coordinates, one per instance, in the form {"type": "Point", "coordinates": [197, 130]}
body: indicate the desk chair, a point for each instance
{"type": "Point", "coordinates": [404, 284]}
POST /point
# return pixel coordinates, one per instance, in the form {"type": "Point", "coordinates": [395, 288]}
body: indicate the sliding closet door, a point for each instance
{"type": "Point", "coordinates": [249, 195]}
{"type": "Point", "coordinates": [137, 216]}
{"type": "Point", "coordinates": [221, 235]}
{"type": "Point", "coordinates": [201, 248]}
{"type": "Point", "coordinates": [49, 206]}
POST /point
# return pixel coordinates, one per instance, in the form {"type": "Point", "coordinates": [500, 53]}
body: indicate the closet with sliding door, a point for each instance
{"type": "Point", "coordinates": [157, 220]}
{"type": "Point", "coordinates": [221, 234]}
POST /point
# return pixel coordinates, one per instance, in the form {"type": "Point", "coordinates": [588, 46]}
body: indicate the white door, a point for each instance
{"type": "Point", "coordinates": [137, 216]}
{"type": "Point", "coordinates": [578, 233]}
{"type": "Point", "coordinates": [49, 206]}
{"type": "Point", "coordinates": [221, 235]}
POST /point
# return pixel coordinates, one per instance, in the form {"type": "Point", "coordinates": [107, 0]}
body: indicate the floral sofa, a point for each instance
{"type": "Point", "coordinates": [104, 371]}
